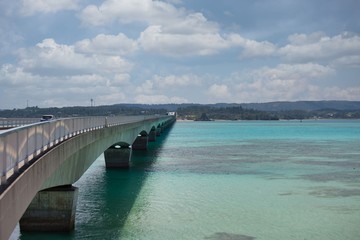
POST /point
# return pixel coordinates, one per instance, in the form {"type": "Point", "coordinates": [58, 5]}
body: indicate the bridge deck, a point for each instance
{"type": "Point", "coordinates": [54, 153]}
{"type": "Point", "coordinates": [20, 145]}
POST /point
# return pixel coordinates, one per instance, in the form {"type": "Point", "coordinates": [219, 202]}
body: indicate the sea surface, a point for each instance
{"type": "Point", "coordinates": [228, 180]}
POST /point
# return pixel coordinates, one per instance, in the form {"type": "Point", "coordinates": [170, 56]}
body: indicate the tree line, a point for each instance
{"type": "Point", "coordinates": [240, 113]}
{"type": "Point", "coordinates": [189, 112]}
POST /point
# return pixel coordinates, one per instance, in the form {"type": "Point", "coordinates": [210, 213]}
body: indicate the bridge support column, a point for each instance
{"type": "Point", "coordinates": [158, 131]}
{"type": "Point", "coordinates": [51, 210]}
{"type": "Point", "coordinates": [140, 143]}
{"type": "Point", "coordinates": [152, 136]}
{"type": "Point", "coordinates": [118, 157]}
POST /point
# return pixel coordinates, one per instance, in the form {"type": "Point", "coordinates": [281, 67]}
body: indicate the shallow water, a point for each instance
{"type": "Point", "coordinates": [228, 180]}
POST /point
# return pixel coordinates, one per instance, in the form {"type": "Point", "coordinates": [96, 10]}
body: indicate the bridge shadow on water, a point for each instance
{"type": "Point", "coordinates": [106, 196]}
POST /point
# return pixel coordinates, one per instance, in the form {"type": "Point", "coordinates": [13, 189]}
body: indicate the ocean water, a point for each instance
{"type": "Point", "coordinates": [228, 180]}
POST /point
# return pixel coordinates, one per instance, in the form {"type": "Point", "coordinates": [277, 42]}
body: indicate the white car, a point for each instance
{"type": "Point", "coordinates": [46, 118]}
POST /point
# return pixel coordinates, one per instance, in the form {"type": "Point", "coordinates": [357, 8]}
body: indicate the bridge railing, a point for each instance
{"type": "Point", "coordinates": [15, 122]}
{"type": "Point", "coordinates": [20, 145]}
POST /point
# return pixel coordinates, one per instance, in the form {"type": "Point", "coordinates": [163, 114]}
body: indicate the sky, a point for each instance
{"type": "Point", "coordinates": [56, 53]}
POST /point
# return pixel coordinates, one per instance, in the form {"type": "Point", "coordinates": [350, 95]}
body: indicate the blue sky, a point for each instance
{"type": "Point", "coordinates": [56, 53]}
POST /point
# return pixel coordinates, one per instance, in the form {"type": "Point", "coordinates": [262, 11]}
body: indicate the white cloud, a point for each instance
{"type": "Point", "coordinates": [121, 78]}
{"type": "Point", "coordinates": [85, 81]}
{"type": "Point", "coordinates": [174, 1]}
{"type": "Point", "coordinates": [154, 39]}
{"type": "Point", "coordinates": [11, 76]}
{"type": "Point", "coordinates": [145, 88]}
{"type": "Point", "coordinates": [302, 48]}
{"type": "Point", "coordinates": [172, 31]}
{"type": "Point", "coordinates": [335, 92]}
{"type": "Point", "coordinates": [107, 44]}
{"type": "Point", "coordinates": [18, 77]}
{"type": "Point", "coordinates": [52, 74]}
{"type": "Point", "coordinates": [158, 88]}
{"type": "Point", "coordinates": [304, 39]}
{"type": "Point", "coordinates": [351, 61]}
{"type": "Point", "coordinates": [112, 96]}
{"type": "Point", "coordinates": [219, 91]}
{"type": "Point", "coordinates": [305, 71]}
{"type": "Point", "coordinates": [192, 23]}
{"type": "Point", "coordinates": [318, 46]}
{"type": "Point", "coordinates": [251, 48]}
{"type": "Point", "coordinates": [31, 7]}
{"type": "Point", "coordinates": [283, 82]}
{"type": "Point", "coordinates": [103, 64]}
{"type": "Point", "coordinates": [48, 56]}
{"type": "Point", "coordinates": [49, 91]}
{"type": "Point", "coordinates": [177, 81]}
{"type": "Point", "coordinates": [169, 30]}
{"type": "Point", "coordinates": [127, 11]}
{"type": "Point", "coordinates": [158, 13]}
{"type": "Point", "coordinates": [158, 99]}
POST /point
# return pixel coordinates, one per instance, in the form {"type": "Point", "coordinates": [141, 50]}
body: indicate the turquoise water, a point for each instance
{"type": "Point", "coordinates": [228, 180]}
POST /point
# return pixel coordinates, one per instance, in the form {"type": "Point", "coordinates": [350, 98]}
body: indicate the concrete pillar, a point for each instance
{"type": "Point", "coordinates": [152, 136]}
{"type": "Point", "coordinates": [158, 131]}
{"type": "Point", "coordinates": [51, 210]}
{"type": "Point", "coordinates": [118, 157]}
{"type": "Point", "coordinates": [140, 143]}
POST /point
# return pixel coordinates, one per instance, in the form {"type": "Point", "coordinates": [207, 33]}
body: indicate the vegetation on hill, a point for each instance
{"type": "Point", "coordinates": [197, 112]}
{"type": "Point", "coordinates": [239, 113]}
{"type": "Point", "coordinates": [220, 111]}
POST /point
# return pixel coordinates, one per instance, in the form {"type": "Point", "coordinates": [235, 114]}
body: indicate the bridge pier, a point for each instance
{"type": "Point", "coordinates": [152, 135]}
{"type": "Point", "coordinates": [140, 143]}
{"type": "Point", "coordinates": [158, 131]}
{"type": "Point", "coordinates": [118, 156]}
{"type": "Point", "coordinates": [51, 210]}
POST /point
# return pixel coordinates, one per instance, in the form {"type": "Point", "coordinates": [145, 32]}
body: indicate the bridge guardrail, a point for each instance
{"type": "Point", "coordinates": [15, 122]}
{"type": "Point", "coordinates": [20, 145]}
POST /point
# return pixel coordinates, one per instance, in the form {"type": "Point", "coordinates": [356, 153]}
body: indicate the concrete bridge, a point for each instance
{"type": "Point", "coordinates": [40, 162]}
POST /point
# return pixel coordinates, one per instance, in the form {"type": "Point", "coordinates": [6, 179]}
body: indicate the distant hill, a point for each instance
{"type": "Point", "coordinates": [304, 105]}
{"type": "Point", "coordinates": [269, 110]}
{"type": "Point", "coordinates": [268, 106]}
